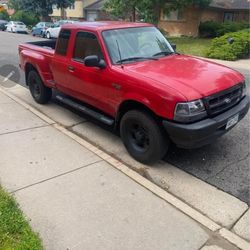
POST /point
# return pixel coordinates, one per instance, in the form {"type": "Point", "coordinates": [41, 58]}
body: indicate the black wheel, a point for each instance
{"type": "Point", "coordinates": [38, 90]}
{"type": "Point", "coordinates": [48, 35]}
{"type": "Point", "coordinates": [144, 139]}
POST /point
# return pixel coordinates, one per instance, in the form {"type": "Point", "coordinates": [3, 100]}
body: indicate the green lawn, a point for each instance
{"type": "Point", "coordinates": [191, 46]}
{"type": "Point", "coordinates": [15, 232]}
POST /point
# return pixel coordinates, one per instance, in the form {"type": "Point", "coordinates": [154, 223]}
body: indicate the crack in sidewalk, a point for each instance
{"type": "Point", "coordinates": [55, 177]}
{"type": "Point", "coordinates": [26, 129]}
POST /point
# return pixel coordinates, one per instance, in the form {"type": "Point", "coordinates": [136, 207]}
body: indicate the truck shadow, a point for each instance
{"type": "Point", "coordinates": [223, 164]}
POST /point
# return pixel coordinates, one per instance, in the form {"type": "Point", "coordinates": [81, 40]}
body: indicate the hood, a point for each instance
{"type": "Point", "coordinates": [192, 77]}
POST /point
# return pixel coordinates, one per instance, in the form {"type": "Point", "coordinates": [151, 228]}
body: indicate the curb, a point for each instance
{"type": "Point", "coordinates": [161, 193]}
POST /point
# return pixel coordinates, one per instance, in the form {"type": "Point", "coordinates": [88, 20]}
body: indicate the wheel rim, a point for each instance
{"type": "Point", "coordinates": [48, 35]}
{"type": "Point", "coordinates": [138, 137]}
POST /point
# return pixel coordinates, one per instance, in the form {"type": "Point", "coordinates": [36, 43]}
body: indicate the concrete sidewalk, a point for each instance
{"type": "Point", "coordinates": [77, 200]}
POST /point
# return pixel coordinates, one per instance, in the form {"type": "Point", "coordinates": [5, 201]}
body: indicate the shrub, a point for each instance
{"type": "Point", "coordinates": [4, 15]}
{"type": "Point", "coordinates": [215, 29]}
{"type": "Point", "coordinates": [27, 18]}
{"type": "Point", "coordinates": [221, 49]}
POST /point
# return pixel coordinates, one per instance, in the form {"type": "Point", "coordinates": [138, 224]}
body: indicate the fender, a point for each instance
{"type": "Point", "coordinates": [158, 109]}
{"type": "Point", "coordinates": [39, 62]}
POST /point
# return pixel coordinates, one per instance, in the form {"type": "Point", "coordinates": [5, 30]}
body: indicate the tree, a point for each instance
{"type": "Point", "coordinates": [4, 15]}
{"type": "Point", "coordinates": [150, 10]}
{"type": "Point", "coordinates": [62, 5]}
{"type": "Point", "coordinates": [14, 4]}
{"type": "Point", "coordinates": [42, 8]}
{"type": "Point", "coordinates": [122, 9]}
{"type": "Point", "coordinates": [27, 18]}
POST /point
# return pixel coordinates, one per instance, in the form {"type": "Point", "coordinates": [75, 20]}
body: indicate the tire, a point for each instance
{"type": "Point", "coordinates": [142, 136]}
{"type": "Point", "coordinates": [48, 35]}
{"type": "Point", "coordinates": [38, 90]}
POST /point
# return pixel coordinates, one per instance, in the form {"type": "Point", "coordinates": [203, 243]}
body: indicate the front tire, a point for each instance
{"type": "Point", "coordinates": [38, 90]}
{"type": "Point", "coordinates": [143, 137]}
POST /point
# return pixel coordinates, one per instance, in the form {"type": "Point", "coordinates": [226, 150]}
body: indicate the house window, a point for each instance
{"type": "Point", "coordinates": [174, 15]}
{"type": "Point", "coordinates": [228, 16]}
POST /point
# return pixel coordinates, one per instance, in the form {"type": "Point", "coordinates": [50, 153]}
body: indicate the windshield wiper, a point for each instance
{"type": "Point", "coordinates": [136, 58]}
{"type": "Point", "coordinates": [165, 53]}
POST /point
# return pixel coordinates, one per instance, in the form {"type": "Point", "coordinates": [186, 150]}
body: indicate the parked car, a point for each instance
{"type": "Point", "coordinates": [40, 29]}
{"type": "Point", "coordinates": [54, 30]}
{"type": "Point", "coordinates": [3, 24]}
{"type": "Point", "coordinates": [128, 76]}
{"type": "Point", "coordinates": [16, 27]}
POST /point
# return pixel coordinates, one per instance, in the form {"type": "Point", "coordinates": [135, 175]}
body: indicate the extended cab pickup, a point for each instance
{"type": "Point", "coordinates": [129, 76]}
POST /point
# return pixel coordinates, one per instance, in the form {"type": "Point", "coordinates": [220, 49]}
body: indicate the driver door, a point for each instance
{"type": "Point", "coordinates": [93, 85]}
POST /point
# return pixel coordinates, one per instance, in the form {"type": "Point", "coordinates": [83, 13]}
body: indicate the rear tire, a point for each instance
{"type": "Point", "coordinates": [143, 137]}
{"type": "Point", "coordinates": [38, 90]}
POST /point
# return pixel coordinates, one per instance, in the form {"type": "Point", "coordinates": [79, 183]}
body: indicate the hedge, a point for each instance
{"type": "Point", "coordinates": [221, 49]}
{"type": "Point", "coordinates": [210, 29]}
{"type": "Point", "coordinates": [25, 17]}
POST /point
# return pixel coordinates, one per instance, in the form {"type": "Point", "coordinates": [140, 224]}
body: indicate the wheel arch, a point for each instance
{"type": "Point", "coordinates": [131, 104]}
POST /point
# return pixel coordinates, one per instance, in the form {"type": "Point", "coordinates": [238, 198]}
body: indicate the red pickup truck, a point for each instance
{"type": "Point", "coordinates": [128, 75]}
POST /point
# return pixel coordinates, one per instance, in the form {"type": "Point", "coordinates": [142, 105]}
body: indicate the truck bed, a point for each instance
{"type": "Point", "coordinates": [42, 52]}
{"type": "Point", "coordinates": [47, 44]}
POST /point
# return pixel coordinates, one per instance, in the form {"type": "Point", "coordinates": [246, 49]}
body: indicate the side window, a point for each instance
{"type": "Point", "coordinates": [63, 42]}
{"type": "Point", "coordinates": [86, 45]}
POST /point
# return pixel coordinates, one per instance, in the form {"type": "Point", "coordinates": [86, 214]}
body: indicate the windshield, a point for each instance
{"type": "Point", "coordinates": [48, 24]}
{"type": "Point", "coordinates": [133, 44]}
{"type": "Point", "coordinates": [18, 23]}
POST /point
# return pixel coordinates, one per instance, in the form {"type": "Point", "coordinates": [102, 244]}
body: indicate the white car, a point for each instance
{"type": "Point", "coordinates": [54, 30]}
{"type": "Point", "coordinates": [16, 27]}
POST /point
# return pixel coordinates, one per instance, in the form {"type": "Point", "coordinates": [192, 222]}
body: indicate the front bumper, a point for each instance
{"type": "Point", "coordinates": [206, 131]}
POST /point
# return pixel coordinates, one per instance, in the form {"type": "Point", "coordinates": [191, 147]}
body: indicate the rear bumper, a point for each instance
{"type": "Point", "coordinates": [206, 131]}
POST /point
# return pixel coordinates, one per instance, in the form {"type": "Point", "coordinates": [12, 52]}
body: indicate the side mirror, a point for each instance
{"type": "Point", "coordinates": [94, 61]}
{"type": "Point", "coordinates": [174, 46]}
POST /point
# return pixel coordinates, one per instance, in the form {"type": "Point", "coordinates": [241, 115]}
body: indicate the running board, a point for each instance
{"type": "Point", "coordinates": [85, 110]}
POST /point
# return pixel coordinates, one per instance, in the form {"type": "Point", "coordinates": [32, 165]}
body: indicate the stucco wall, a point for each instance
{"type": "Point", "coordinates": [74, 13]}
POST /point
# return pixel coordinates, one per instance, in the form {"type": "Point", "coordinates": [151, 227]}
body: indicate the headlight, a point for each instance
{"type": "Point", "coordinates": [244, 89]}
{"type": "Point", "coordinates": [189, 111]}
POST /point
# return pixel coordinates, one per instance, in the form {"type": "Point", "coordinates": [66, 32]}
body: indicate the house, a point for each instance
{"type": "Point", "coordinates": [185, 22]}
{"type": "Point", "coordinates": [83, 10]}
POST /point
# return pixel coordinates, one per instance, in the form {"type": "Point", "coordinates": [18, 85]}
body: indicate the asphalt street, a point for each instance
{"type": "Point", "coordinates": [224, 164]}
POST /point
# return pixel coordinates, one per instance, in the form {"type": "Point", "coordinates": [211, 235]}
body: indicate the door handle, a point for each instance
{"type": "Point", "coordinates": [71, 68]}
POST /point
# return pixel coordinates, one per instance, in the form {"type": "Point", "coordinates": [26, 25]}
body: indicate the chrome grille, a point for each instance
{"type": "Point", "coordinates": [222, 101]}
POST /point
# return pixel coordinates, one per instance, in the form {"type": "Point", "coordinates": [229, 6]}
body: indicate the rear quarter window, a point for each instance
{"type": "Point", "coordinates": [63, 42]}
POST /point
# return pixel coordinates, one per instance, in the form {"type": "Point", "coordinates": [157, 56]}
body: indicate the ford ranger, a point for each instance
{"type": "Point", "coordinates": [128, 75]}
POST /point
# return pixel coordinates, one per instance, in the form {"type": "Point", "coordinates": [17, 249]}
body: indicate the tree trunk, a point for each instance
{"type": "Point", "coordinates": [133, 14]}
{"type": "Point", "coordinates": [63, 13]}
{"type": "Point", "coordinates": [46, 19]}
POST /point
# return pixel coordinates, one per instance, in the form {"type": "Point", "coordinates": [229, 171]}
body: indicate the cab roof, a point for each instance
{"type": "Point", "coordinates": [105, 25]}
